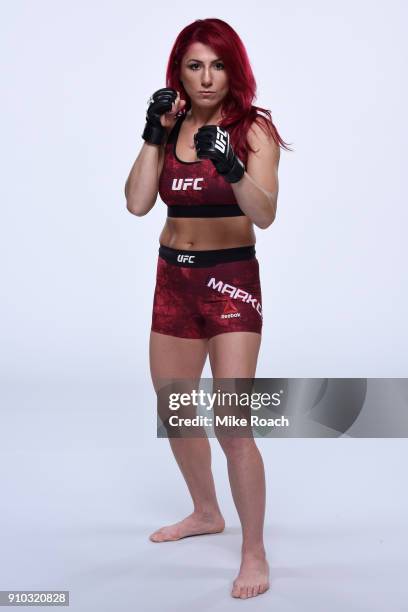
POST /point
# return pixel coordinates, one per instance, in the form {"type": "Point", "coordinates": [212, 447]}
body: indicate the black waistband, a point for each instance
{"type": "Point", "coordinates": [202, 259]}
{"type": "Point", "coordinates": [204, 210]}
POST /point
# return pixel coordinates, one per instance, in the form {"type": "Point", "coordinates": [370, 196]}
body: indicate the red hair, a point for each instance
{"type": "Point", "coordinates": [238, 110]}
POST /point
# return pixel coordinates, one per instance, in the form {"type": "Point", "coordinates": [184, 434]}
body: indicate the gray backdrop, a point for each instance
{"type": "Point", "coordinates": [83, 477]}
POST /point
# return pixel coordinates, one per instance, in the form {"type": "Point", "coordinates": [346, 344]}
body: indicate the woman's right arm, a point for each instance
{"type": "Point", "coordinates": [142, 185]}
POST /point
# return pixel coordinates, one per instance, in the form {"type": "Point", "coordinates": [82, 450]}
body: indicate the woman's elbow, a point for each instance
{"type": "Point", "coordinates": [267, 221]}
{"type": "Point", "coordinates": [137, 208]}
{"type": "Point", "coordinates": [270, 212]}
{"type": "Point", "coordinates": [265, 224]}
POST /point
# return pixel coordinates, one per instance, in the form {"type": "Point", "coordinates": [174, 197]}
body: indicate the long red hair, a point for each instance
{"type": "Point", "coordinates": [238, 109]}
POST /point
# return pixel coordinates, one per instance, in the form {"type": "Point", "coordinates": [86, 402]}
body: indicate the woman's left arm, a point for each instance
{"type": "Point", "coordinates": [257, 191]}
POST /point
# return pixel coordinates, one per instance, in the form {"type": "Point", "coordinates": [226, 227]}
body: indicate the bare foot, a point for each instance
{"type": "Point", "coordinates": [253, 577]}
{"type": "Point", "coordinates": [195, 524]}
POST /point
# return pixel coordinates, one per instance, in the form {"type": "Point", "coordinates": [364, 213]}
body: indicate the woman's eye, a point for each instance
{"type": "Point", "coordinates": [195, 66]}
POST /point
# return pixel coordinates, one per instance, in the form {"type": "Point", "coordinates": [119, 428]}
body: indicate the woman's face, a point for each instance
{"type": "Point", "coordinates": [203, 71]}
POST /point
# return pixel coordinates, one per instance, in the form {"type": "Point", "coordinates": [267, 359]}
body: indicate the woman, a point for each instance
{"type": "Point", "coordinates": [213, 157]}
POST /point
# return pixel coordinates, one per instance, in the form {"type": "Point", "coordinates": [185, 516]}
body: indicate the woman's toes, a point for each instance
{"type": "Point", "coordinates": [157, 536]}
{"type": "Point", "coordinates": [244, 592]}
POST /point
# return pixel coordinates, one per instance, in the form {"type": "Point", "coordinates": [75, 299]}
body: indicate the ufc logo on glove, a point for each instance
{"type": "Point", "coordinates": [221, 140]}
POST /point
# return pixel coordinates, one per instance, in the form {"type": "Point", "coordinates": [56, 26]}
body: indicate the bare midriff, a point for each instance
{"type": "Point", "coordinates": [207, 234]}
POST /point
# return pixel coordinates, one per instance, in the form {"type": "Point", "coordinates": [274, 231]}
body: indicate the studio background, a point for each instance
{"type": "Point", "coordinates": [81, 469]}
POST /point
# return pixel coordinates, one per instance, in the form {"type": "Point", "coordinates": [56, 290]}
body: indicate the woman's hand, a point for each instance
{"type": "Point", "coordinates": [161, 114]}
{"type": "Point", "coordinates": [169, 119]}
{"type": "Point", "coordinates": [213, 142]}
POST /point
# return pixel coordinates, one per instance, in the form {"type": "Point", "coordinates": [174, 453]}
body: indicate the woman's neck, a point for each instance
{"type": "Point", "coordinates": [204, 116]}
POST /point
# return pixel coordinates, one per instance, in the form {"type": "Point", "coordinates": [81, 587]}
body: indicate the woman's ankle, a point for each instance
{"type": "Point", "coordinates": [207, 512]}
{"type": "Point", "coordinates": [255, 551]}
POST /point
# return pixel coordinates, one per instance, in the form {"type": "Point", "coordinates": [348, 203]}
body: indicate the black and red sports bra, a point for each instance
{"type": "Point", "coordinates": [194, 189]}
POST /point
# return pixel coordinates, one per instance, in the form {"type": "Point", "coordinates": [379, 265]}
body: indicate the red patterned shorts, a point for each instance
{"type": "Point", "coordinates": [200, 294]}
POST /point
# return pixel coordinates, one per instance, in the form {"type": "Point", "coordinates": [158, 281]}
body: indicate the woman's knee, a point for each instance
{"type": "Point", "coordinates": [236, 447]}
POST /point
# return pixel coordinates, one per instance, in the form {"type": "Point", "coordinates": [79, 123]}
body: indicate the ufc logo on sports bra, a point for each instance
{"type": "Point", "coordinates": [221, 140]}
{"type": "Point", "coordinates": [184, 184]}
{"type": "Point", "coordinates": [186, 258]}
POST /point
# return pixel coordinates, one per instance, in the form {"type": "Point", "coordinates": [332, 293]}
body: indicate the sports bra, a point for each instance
{"type": "Point", "coordinates": [194, 189]}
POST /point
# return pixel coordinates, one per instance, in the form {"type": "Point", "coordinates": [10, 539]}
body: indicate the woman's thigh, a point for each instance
{"type": "Point", "coordinates": [172, 357]}
{"type": "Point", "coordinates": [234, 354]}
{"type": "Point", "coordinates": [233, 359]}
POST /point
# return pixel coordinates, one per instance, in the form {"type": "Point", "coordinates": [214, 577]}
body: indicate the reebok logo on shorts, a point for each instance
{"type": "Point", "coordinates": [230, 311]}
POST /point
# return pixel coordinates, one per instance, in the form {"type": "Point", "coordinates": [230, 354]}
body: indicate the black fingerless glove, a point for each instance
{"type": "Point", "coordinates": [213, 142]}
{"type": "Point", "coordinates": [160, 103]}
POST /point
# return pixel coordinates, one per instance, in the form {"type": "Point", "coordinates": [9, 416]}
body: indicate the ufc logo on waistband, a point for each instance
{"type": "Point", "coordinates": [184, 184]}
{"type": "Point", "coordinates": [221, 140]}
{"type": "Point", "coordinates": [186, 258]}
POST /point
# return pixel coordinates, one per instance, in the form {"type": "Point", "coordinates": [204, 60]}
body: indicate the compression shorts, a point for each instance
{"type": "Point", "coordinates": [200, 294]}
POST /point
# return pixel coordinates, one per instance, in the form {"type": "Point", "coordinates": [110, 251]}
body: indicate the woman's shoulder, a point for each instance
{"type": "Point", "coordinates": [261, 133]}
{"type": "Point", "coordinates": [260, 126]}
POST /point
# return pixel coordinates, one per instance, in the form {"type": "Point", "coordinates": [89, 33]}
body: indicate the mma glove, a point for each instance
{"type": "Point", "coordinates": [213, 142]}
{"type": "Point", "coordinates": [161, 102]}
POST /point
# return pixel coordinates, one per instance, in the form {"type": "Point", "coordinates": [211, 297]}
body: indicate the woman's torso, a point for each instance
{"type": "Point", "coordinates": [200, 233]}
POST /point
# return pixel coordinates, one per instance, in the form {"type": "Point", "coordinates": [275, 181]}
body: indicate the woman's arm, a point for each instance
{"type": "Point", "coordinates": [142, 185]}
{"type": "Point", "coordinates": [257, 191]}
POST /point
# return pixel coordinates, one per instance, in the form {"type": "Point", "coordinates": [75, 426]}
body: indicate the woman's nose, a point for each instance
{"type": "Point", "coordinates": [206, 78]}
